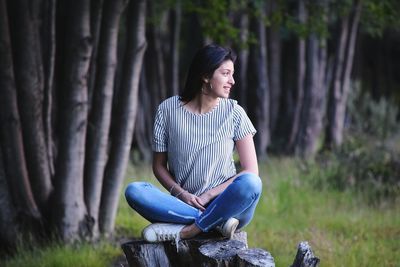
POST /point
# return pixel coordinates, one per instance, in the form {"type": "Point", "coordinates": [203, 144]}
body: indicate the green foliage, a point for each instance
{"type": "Point", "coordinates": [369, 117]}
{"type": "Point", "coordinates": [316, 19]}
{"type": "Point", "coordinates": [214, 19]}
{"type": "Point", "coordinates": [341, 8]}
{"type": "Point", "coordinates": [158, 9]}
{"type": "Point", "coordinates": [358, 166]}
{"type": "Point", "coordinates": [299, 28]}
{"type": "Point", "coordinates": [379, 15]}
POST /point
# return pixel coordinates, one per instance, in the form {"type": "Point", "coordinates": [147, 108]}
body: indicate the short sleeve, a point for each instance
{"type": "Point", "coordinates": [243, 125]}
{"type": "Point", "coordinates": [160, 134]}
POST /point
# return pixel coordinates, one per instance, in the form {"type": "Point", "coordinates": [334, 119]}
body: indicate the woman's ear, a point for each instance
{"type": "Point", "coordinates": [206, 79]}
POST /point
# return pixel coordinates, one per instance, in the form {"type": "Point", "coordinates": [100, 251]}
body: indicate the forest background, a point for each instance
{"type": "Point", "coordinates": [80, 82]}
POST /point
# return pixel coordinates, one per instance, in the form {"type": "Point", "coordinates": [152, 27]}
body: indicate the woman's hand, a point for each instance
{"type": "Point", "coordinates": [205, 198]}
{"type": "Point", "coordinates": [192, 200]}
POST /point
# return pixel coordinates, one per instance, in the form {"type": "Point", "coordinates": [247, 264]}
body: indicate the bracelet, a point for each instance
{"type": "Point", "coordinates": [180, 193]}
{"type": "Point", "coordinates": [172, 188]}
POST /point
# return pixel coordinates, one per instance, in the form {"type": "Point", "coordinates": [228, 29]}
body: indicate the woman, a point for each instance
{"type": "Point", "coordinates": [194, 138]}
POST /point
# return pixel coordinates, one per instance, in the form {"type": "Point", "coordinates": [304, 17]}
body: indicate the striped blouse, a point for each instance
{"type": "Point", "coordinates": [200, 146]}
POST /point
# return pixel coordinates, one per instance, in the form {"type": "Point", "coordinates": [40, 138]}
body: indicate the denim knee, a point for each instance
{"type": "Point", "coordinates": [250, 184]}
{"type": "Point", "coordinates": [134, 192]}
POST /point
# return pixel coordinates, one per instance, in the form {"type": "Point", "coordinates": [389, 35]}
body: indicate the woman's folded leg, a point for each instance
{"type": "Point", "coordinates": [239, 200]}
{"type": "Point", "coordinates": [157, 206]}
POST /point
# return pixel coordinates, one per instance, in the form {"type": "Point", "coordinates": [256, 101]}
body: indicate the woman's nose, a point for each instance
{"type": "Point", "coordinates": [232, 80]}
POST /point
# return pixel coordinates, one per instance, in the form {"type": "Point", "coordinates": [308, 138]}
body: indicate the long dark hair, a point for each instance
{"type": "Point", "coordinates": [203, 65]}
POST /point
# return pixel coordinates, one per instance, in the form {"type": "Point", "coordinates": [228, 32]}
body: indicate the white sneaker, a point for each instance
{"type": "Point", "coordinates": [158, 232]}
{"type": "Point", "coordinates": [229, 227]}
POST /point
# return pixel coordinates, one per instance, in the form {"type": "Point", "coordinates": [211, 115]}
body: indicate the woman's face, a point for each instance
{"type": "Point", "coordinates": [221, 82]}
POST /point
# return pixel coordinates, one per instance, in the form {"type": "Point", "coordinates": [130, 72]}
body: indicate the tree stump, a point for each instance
{"type": "Point", "coordinates": [206, 250]}
{"type": "Point", "coordinates": [209, 250]}
{"type": "Point", "coordinates": [305, 256]}
{"type": "Point", "coordinates": [255, 257]}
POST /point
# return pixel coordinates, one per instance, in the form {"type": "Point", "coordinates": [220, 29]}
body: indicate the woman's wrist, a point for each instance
{"type": "Point", "coordinates": [176, 190]}
{"type": "Point", "coordinates": [180, 193]}
{"type": "Point", "coordinates": [172, 188]}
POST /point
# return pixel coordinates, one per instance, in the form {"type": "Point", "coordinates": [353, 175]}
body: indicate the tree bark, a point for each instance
{"type": "Point", "coordinates": [314, 96]}
{"type": "Point", "coordinates": [8, 216]}
{"type": "Point", "coordinates": [341, 80]}
{"type": "Point", "coordinates": [144, 120]}
{"type": "Point", "coordinates": [70, 210]}
{"type": "Point", "coordinates": [155, 57]}
{"type": "Point", "coordinates": [176, 32]}
{"type": "Point", "coordinates": [122, 131]}
{"type": "Point", "coordinates": [300, 80]}
{"type": "Point", "coordinates": [274, 69]}
{"type": "Point", "coordinates": [305, 256]}
{"type": "Point", "coordinates": [206, 250]}
{"type": "Point", "coordinates": [209, 250]}
{"type": "Point", "coordinates": [29, 81]}
{"type": "Point", "coordinates": [159, 75]}
{"type": "Point", "coordinates": [100, 115]}
{"type": "Point", "coordinates": [49, 51]}
{"type": "Point", "coordinates": [243, 58]}
{"type": "Point", "coordinates": [96, 16]}
{"type": "Point", "coordinates": [10, 131]}
{"type": "Point", "coordinates": [260, 83]}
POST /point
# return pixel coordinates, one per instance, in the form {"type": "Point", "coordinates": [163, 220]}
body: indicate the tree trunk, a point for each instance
{"type": "Point", "coordinates": [243, 58]}
{"type": "Point", "coordinates": [156, 56]}
{"type": "Point", "coordinates": [100, 115]}
{"type": "Point", "coordinates": [49, 51]}
{"type": "Point", "coordinates": [155, 69]}
{"type": "Point", "coordinates": [300, 80]}
{"type": "Point", "coordinates": [144, 120]}
{"type": "Point", "coordinates": [29, 81]}
{"type": "Point", "coordinates": [341, 80]}
{"type": "Point", "coordinates": [122, 131]}
{"type": "Point", "coordinates": [261, 97]}
{"type": "Point", "coordinates": [153, 85]}
{"type": "Point", "coordinates": [8, 216]}
{"type": "Point", "coordinates": [10, 131]}
{"type": "Point", "coordinates": [274, 69]}
{"type": "Point", "coordinates": [176, 32]}
{"type": "Point", "coordinates": [70, 210]}
{"type": "Point", "coordinates": [96, 16]}
{"type": "Point", "coordinates": [314, 96]}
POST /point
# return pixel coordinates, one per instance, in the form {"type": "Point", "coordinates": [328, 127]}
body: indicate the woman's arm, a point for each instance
{"type": "Point", "coordinates": [160, 170]}
{"type": "Point", "coordinates": [248, 162]}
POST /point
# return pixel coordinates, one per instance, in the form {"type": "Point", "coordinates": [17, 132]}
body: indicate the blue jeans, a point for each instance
{"type": "Point", "coordinates": [238, 200]}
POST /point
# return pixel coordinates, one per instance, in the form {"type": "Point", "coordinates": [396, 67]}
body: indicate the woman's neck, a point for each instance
{"type": "Point", "coordinates": [202, 104]}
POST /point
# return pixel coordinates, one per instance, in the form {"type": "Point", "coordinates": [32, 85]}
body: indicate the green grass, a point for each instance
{"type": "Point", "coordinates": [340, 227]}
{"type": "Point", "coordinates": [57, 255]}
